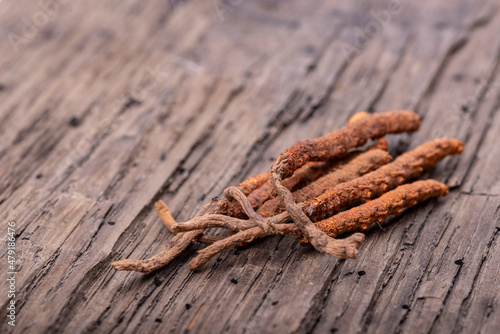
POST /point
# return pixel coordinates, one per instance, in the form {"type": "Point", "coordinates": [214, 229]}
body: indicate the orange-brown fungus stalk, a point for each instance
{"type": "Point", "coordinates": [334, 144]}
{"type": "Point", "coordinates": [339, 142]}
{"type": "Point", "coordinates": [359, 164]}
{"type": "Point", "coordinates": [355, 219]}
{"type": "Point", "coordinates": [350, 193]}
{"type": "Point", "coordinates": [390, 203]}
{"type": "Point", "coordinates": [308, 173]}
{"type": "Point", "coordinates": [253, 183]}
{"type": "Point", "coordinates": [407, 166]}
{"type": "Point", "coordinates": [314, 180]}
{"type": "Point", "coordinates": [305, 176]}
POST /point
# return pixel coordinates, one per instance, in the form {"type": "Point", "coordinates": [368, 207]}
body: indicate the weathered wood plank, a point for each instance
{"type": "Point", "coordinates": [109, 106]}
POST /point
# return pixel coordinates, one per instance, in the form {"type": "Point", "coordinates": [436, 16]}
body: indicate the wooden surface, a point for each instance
{"type": "Point", "coordinates": [107, 106]}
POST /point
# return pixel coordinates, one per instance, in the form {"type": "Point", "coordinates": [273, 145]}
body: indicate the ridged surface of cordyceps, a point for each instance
{"type": "Point", "coordinates": [405, 167]}
{"type": "Point", "coordinates": [391, 203]}
{"type": "Point", "coordinates": [355, 219]}
{"type": "Point", "coordinates": [308, 173]}
{"type": "Point", "coordinates": [358, 165]}
{"type": "Point", "coordinates": [339, 142]}
{"type": "Point", "coordinates": [334, 144]}
{"type": "Point", "coordinates": [320, 189]}
{"type": "Point", "coordinates": [254, 182]}
{"type": "Point", "coordinates": [300, 178]}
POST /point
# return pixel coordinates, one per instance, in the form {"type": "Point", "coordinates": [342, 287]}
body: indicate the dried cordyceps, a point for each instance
{"type": "Point", "coordinates": [348, 192]}
{"type": "Point", "coordinates": [181, 241]}
{"type": "Point", "coordinates": [390, 203]}
{"type": "Point", "coordinates": [358, 165]}
{"type": "Point", "coordinates": [314, 179]}
{"type": "Point", "coordinates": [336, 143]}
{"type": "Point", "coordinates": [407, 166]}
{"type": "Point", "coordinates": [355, 219]}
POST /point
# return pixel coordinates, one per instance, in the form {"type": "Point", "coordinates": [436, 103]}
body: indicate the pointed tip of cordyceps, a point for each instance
{"type": "Point", "coordinates": [357, 116]}
{"type": "Point", "coordinates": [460, 146]}
{"type": "Point", "coordinates": [159, 203]}
{"type": "Point", "coordinates": [120, 265]}
{"type": "Point", "coordinates": [450, 145]}
{"type": "Point", "coordinates": [165, 215]}
{"type": "Point", "coordinates": [131, 265]}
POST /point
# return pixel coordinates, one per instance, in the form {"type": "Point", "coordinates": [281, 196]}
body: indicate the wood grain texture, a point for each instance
{"type": "Point", "coordinates": [107, 106]}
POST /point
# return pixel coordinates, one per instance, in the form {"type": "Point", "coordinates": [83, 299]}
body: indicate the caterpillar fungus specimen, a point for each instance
{"type": "Point", "coordinates": [317, 190]}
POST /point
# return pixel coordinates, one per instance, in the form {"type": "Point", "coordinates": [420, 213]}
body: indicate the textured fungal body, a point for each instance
{"type": "Point", "coordinates": [390, 203]}
{"type": "Point", "coordinates": [339, 142]}
{"type": "Point", "coordinates": [254, 182]}
{"type": "Point", "coordinates": [355, 166]}
{"type": "Point", "coordinates": [305, 175]}
{"type": "Point", "coordinates": [355, 219]}
{"type": "Point", "coordinates": [314, 180]}
{"type": "Point", "coordinates": [259, 195]}
{"type": "Point", "coordinates": [405, 167]}
{"type": "Point", "coordinates": [334, 144]}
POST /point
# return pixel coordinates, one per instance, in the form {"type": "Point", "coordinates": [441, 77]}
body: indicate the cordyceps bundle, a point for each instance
{"type": "Point", "coordinates": [316, 190]}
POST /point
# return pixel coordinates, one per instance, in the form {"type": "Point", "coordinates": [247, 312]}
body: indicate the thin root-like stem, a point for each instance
{"type": "Point", "coordinates": [236, 194]}
{"type": "Point", "coordinates": [182, 240]}
{"type": "Point", "coordinates": [343, 249]}
{"type": "Point", "coordinates": [213, 221]}
{"type": "Point", "coordinates": [209, 239]}
{"type": "Point", "coordinates": [234, 240]}
{"type": "Point", "coordinates": [174, 247]}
